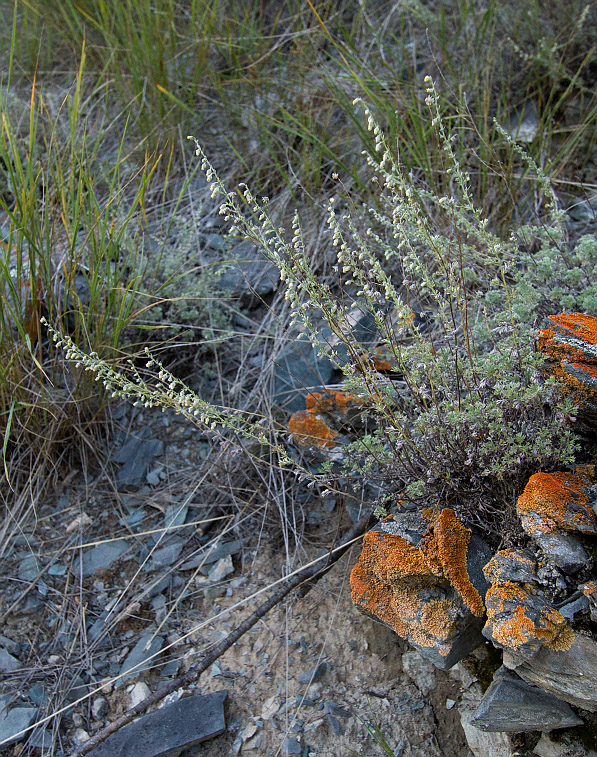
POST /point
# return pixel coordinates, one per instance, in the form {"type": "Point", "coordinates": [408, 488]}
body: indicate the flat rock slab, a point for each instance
{"type": "Point", "coordinates": [139, 658]}
{"type": "Point", "coordinates": [299, 369]}
{"type": "Point", "coordinates": [511, 705]}
{"type": "Point", "coordinates": [169, 730]}
{"type": "Point", "coordinates": [13, 721]}
{"type": "Point", "coordinates": [249, 274]}
{"type": "Point", "coordinates": [569, 674]}
{"type": "Point", "coordinates": [136, 455]}
{"type": "Point", "coordinates": [99, 557]}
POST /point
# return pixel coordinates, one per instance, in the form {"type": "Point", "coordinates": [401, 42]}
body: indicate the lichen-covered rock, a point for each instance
{"type": "Point", "coordinates": [309, 429]}
{"type": "Point", "coordinates": [570, 344]}
{"type": "Point", "coordinates": [519, 619]}
{"type": "Point", "coordinates": [423, 592]}
{"type": "Point", "coordinates": [327, 414]}
{"type": "Point", "coordinates": [517, 565]}
{"type": "Point", "coordinates": [558, 501]}
{"type": "Point", "coordinates": [569, 673]}
{"type": "Point", "coordinates": [554, 506]}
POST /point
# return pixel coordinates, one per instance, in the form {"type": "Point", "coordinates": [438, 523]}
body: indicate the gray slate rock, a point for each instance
{"type": "Point", "coordinates": [208, 555]}
{"type": "Point", "coordinates": [224, 567]}
{"type": "Point", "coordinates": [139, 656]}
{"type": "Point", "coordinates": [29, 568]}
{"type": "Point", "coordinates": [99, 557]}
{"type": "Point", "coordinates": [250, 275]}
{"type": "Point", "coordinates": [299, 369]}
{"type": "Point", "coordinates": [169, 730]}
{"type": "Point", "coordinates": [564, 550]}
{"type": "Point", "coordinates": [136, 455]}
{"type": "Point", "coordinates": [8, 662]}
{"type": "Point", "coordinates": [511, 705]}
{"type": "Point", "coordinates": [164, 556]}
{"type": "Point", "coordinates": [13, 721]}
{"type": "Point", "coordinates": [292, 746]}
{"type": "Point", "coordinates": [569, 674]}
{"type": "Point", "coordinates": [570, 609]}
{"type": "Point", "coordinates": [314, 674]}
{"type": "Point", "coordinates": [175, 515]}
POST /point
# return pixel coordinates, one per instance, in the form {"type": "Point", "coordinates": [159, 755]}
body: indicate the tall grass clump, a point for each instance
{"type": "Point", "coordinates": [472, 411]}
{"type": "Point", "coordinates": [73, 210]}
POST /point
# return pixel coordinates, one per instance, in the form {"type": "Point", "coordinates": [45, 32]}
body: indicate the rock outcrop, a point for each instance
{"type": "Point", "coordinates": [414, 577]}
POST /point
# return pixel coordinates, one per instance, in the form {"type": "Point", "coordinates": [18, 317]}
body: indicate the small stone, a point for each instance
{"type": "Point", "coordinates": [8, 662]}
{"type": "Point", "coordinates": [332, 708]}
{"type": "Point", "coordinates": [153, 476]}
{"type": "Point", "coordinates": [224, 567]}
{"type": "Point", "coordinates": [211, 553]}
{"type": "Point", "coordinates": [136, 455]}
{"type": "Point", "coordinates": [99, 708]}
{"type": "Point", "coordinates": [450, 703]}
{"type": "Point", "coordinates": [270, 707]}
{"type": "Point", "coordinates": [166, 731]}
{"type": "Point", "coordinates": [13, 721]}
{"type": "Point", "coordinates": [99, 557]}
{"type": "Point", "coordinates": [175, 515]}
{"type": "Point", "coordinates": [14, 647]}
{"type": "Point", "coordinates": [139, 693]}
{"type": "Point", "coordinates": [419, 670]}
{"type": "Point", "coordinates": [570, 609]}
{"type": "Point", "coordinates": [292, 746]}
{"type": "Point", "coordinates": [29, 568]}
{"type": "Point", "coordinates": [80, 736]}
{"type": "Point", "coordinates": [313, 674]}
{"type": "Point", "coordinates": [138, 658]}
{"type": "Point", "coordinates": [511, 705]}
{"type": "Point", "coordinates": [164, 556]}
{"type": "Point", "coordinates": [250, 275]}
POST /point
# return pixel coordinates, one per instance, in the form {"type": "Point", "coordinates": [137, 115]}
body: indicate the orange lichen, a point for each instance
{"type": "Point", "coordinates": [580, 325]}
{"type": "Point", "coordinates": [445, 550]}
{"type": "Point", "coordinates": [493, 569]}
{"type": "Point", "coordinates": [515, 619]}
{"type": "Point", "coordinates": [331, 400]}
{"type": "Point", "coordinates": [310, 429]}
{"type": "Point", "coordinates": [392, 580]}
{"type": "Point", "coordinates": [436, 620]}
{"type": "Point", "coordinates": [589, 588]}
{"type": "Point", "coordinates": [381, 359]}
{"type": "Point", "coordinates": [557, 500]}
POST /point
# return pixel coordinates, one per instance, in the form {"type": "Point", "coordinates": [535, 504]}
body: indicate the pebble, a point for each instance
{"type": "Point", "coordinates": [29, 568]}
{"type": "Point", "coordinates": [8, 662]}
{"type": "Point", "coordinates": [139, 693]}
{"type": "Point", "coordinates": [224, 567]}
{"type": "Point", "coordinates": [292, 746]}
{"type": "Point", "coordinates": [14, 721]}
{"type": "Point", "coordinates": [99, 557]}
{"type": "Point", "coordinates": [99, 708]}
{"type": "Point", "coordinates": [313, 674]}
{"type": "Point", "coordinates": [138, 658]}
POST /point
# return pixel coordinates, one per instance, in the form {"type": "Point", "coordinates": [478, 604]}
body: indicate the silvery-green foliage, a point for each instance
{"type": "Point", "coordinates": [474, 412]}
